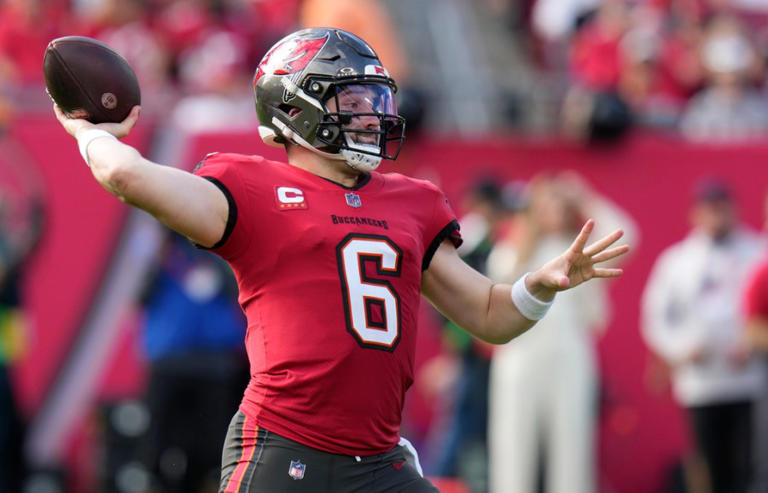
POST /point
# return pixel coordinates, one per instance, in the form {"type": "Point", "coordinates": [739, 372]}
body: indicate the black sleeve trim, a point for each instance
{"type": "Point", "coordinates": [449, 231]}
{"type": "Point", "coordinates": [231, 219]}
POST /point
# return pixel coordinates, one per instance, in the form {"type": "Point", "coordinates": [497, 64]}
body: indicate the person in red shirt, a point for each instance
{"type": "Point", "coordinates": [756, 300]}
{"type": "Point", "coordinates": [756, 319]}
{"type": "Point", "coordinates": [331, 258]}
{"type": "Point", "coordinates": [757, 308]}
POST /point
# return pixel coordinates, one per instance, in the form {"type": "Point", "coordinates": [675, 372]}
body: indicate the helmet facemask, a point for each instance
{"type": "Point", "coordinates": [361, 123]}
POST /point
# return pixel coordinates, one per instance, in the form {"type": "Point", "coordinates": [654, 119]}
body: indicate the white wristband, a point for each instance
{"type": "Point", "coordinates": [85, 138]}
{"type": "Point", "coordinates": [530, 307]}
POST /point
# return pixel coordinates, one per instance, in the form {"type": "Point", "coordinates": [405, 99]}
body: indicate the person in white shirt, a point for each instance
{"type": "Point", "coordinates": [543, 385]}
{"type": "Point", "coordinates": [692, 320]}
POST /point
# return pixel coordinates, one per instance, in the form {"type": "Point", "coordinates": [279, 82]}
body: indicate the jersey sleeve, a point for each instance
{"type": "Point", "coordinates": [443, 225]}
{"type": "Point", "coordinates": [222, 171]}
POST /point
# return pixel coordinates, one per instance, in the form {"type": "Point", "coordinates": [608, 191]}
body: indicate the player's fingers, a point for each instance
{"type": "Point", "coordinates": [603, 243]}
{"type": "Point", "coordinates": [604, 273]}
{"type": "Point", "coordinates": [133, 116]}
{"type": "Point", "coordinates": [581, 239]}
{"type": "Point", "coordinates": [610, 253]}
{"type": "Point", "coordinates": [124, 128]}
{"type": "Point", "coordinates": [130, 120]}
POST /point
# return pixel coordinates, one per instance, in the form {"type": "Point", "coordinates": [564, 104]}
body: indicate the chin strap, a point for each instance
{"type": "Point", "coordinates": [361, 160]}
{"type": "Point", "coordinates": [355, 159]}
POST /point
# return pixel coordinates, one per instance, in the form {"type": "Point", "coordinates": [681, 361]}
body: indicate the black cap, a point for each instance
{"type": "Point", "coordinates": [712, 190]}
{"type": "Point", "coordinates": [487, 189]}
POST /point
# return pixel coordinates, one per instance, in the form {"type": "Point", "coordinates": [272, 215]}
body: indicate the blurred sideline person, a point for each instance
{"type": "Point", "coordinates": [21, 223]}
{"type": "Point", "coordinates": [756, 313]}
{"type": "Point", "coordinates": [193, 335]}
{"type": "Point", "coordinates": [543, 385]}
{"type": "Point", "coordinates": [729, 108]}
{"type": "Point", "coordinates": [691, 319]}
{"type": "Point", "coordinates": [330, 258]}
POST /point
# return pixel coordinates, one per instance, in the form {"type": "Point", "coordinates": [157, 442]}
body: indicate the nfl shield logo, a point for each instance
{"type": "Point", "coordinates": [353, 199]}
{"type": "Point", "coordinates": [296, 471]}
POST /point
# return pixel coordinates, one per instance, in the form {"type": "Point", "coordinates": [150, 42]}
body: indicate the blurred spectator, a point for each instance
{"type": "Point", "coordinates": [26, 27]}
{"type": "Point", "coordinates": [543, 384]}
{"type": "Point", "coordinates": [21, 219]}
{"type": "Point", "coordinates": [729, 108]}
{"type": "Point", "coordinates": [692, 321]}
{"type": "Point", "coordinates": [125, 26]}
{"type": "Point", "coordinates": [661, 65]}
{"type": "Point", "coordinates": [275, 19]}
{"type": "Point", "coordinates": [213, 76]}
{"type": "Point", "coordinates": [556, 20]}
{"type": "Point", "coordinates": [595, 55]}
{"type": "Point", "coordinates": [595, 117]}
{"type": "Point", "coordinates": [370, 20]}
{"type": "Point", "coordinates": [593, 108]}
{"type": "Point", "coordinates": [181, 22]}
{"type": "Point", "coordinates": [193, 337]}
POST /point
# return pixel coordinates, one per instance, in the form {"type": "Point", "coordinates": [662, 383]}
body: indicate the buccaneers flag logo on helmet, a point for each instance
{"type": "Point", "coordinates": [289, 57]}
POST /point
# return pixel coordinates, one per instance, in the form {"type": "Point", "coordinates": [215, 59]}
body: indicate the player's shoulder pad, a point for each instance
{"type": "Point", "coordinates": [410, 182]}
{"type": "Point", "coordinates": [227, 158]}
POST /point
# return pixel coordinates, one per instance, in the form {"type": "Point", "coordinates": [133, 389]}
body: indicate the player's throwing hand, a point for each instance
{"type": "Point", "coordinates": [119, 130]}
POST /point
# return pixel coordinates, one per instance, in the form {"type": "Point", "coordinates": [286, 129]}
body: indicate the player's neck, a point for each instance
{"type": "Point", "coordinates": [335, 170]}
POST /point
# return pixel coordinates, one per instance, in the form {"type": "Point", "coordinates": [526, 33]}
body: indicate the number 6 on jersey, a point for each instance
{"type": "Point", "coordinates": [371, 306]}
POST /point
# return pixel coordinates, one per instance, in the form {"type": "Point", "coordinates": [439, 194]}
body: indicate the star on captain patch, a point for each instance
{"type": "Point", "coordinates": [353, 199]}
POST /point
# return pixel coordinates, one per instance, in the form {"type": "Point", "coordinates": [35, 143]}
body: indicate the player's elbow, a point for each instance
{"type": "Point", "coordinates": [498, 340]}
{"type": "Point", "coordinates": [499, 333]}
{"type": "Point", "coordinates": [120, 173]}
{"type": "Point", "coordinates": [502, 336]}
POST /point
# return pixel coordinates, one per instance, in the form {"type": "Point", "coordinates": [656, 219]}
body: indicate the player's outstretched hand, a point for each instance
{"type": "Point", "coordinates": [119, 130]}
{"type": "Point", "coordinates": [577, 264]}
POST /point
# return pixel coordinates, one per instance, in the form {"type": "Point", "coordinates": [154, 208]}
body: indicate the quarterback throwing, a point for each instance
{"type": "Point", "coordinates": [331, 258]}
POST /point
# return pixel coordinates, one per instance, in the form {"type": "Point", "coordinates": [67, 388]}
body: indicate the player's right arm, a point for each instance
{"type": "Point", "coordinates": [188, 204]}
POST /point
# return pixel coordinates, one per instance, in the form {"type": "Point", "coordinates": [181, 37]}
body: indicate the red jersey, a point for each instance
{"type": "Point", "coordinates": [329, 280]}
{"type": "Point", "coordinates": [756, 299]}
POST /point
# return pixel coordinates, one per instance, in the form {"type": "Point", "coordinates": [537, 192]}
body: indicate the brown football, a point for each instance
{"type": "Point", "coordinates": [88, 79]}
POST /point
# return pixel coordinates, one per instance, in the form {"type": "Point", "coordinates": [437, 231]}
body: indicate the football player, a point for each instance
{"type": "Point", "coordinates": [331, 258]}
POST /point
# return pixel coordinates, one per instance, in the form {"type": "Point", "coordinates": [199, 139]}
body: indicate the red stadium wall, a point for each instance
{"type": "Point", "coordinates": [641, 431]}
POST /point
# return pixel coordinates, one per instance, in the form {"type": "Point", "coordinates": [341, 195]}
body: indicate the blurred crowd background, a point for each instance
{"type": "Point", "coordinates": [121, 355]}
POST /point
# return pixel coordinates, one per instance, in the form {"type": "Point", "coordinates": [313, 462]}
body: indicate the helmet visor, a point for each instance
{"type": "Point", "coordinates": [364, 98]}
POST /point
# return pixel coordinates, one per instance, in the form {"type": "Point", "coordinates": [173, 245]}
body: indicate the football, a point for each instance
{"type": "Point", "coordinates": [88, 79]}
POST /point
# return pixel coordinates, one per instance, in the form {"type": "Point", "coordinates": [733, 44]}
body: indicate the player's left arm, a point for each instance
{"type": "Point", "coordinates": [486, 310]}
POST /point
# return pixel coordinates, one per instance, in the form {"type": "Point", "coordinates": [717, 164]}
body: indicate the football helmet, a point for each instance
{"type": "Point", "coordinates": [326, 90]}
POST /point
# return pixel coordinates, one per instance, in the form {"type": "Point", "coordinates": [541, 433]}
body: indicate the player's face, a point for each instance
{"type": "Point", "coordinates": [715, 218]}
{"type": "Point", "coordinates": [364, 103]}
